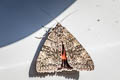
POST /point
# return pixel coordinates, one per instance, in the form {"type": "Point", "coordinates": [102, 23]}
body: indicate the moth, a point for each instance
{"type": "Point", "coordinates": [62, 52]}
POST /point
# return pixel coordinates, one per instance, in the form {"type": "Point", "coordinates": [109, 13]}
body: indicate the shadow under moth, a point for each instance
{"type": "Point", "coordinates": [62, 52]}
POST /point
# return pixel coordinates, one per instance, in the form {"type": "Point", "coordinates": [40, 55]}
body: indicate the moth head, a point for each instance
{"type": "Point", "coordinates": [59, 25]}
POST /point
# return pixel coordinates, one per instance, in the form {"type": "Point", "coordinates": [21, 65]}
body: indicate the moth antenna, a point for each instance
{"type": "Point", "coordinates": [56, 19]}
{"type": "Point", "coordinates": [68, 15]}
{"type": "Point", "coordinates": [48, 14]}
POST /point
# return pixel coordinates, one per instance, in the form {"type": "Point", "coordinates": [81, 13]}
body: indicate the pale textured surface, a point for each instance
{"type": "Point", "coordinates": [101, 39]}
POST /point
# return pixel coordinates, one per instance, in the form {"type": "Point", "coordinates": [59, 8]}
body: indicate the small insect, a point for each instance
{"type": "Point", "coordinates": [62, 52]}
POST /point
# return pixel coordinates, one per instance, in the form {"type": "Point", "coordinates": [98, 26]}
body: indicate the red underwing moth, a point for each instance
{"type": "Point", "coordinates": [62, 52]}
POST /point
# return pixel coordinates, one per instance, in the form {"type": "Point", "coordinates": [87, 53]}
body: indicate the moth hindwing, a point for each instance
{"type": "Point", "coordinates": [61, 51]}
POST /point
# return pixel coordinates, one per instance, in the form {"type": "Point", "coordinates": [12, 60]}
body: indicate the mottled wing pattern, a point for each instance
{"type": "Point", "coordinates": [77, 56]}
{"type": "Point", "coordinates": [49, 57]}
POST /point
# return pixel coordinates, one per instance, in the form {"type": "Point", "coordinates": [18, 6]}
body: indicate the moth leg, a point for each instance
{"type": "Point", "coordinates": [46, 28]}
{"type": "Point", "coordinates": [39, 37]}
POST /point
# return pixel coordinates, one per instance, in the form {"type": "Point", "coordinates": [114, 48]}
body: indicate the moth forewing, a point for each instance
{"type": "Point", "coordinates": [61, 43]}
